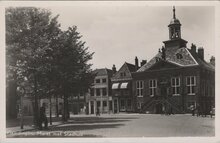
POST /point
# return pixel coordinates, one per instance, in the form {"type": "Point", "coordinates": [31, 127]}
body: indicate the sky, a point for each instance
{"type": "Point", "coordinates": [118, 33]}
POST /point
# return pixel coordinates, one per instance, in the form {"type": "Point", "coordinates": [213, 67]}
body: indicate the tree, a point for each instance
{"type": "Point", "coordinates": [29, 34]}
{"type": "Point", "coordinates": [72, 66]}
{"type": "Point", "coordinates": [44, 59]}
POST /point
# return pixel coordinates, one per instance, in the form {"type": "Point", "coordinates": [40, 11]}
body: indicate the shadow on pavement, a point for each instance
{"type": "Point", "coordinates": [73, 120]}
{"type": "Point", "coordinates": [27, 121]}
{"type": "Point", "coordinates": [86, 120]}
{"type": "Point", "coordinates": [83, 127]}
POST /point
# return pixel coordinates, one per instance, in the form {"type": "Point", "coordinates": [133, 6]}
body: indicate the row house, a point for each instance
{"type": "Point", "coordinates": [100, 93]}
{"type": "Point", "coordinates": [123, 99]}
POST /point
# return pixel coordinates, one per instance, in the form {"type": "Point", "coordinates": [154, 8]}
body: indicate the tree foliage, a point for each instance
{"type": "Point", "coordinates": [43, 58]}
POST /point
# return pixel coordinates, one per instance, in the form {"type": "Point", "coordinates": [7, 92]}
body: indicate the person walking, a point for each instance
{"type": "Point", "coordinates": [43, 117]}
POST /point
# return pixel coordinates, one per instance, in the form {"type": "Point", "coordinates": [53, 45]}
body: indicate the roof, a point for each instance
{"type": "Point", "coordinates": [188, 59]}
{"type": "Point", "coordinates": [174, 21]}
{"type": "Point", "coordinates": [201, 62]}
{"type": "Point", "coordinates": [131, 67]}
{"type": "Point", "coordinates": [103, 71]}
{"type": "Point", "coordinates": [172, 56]}
{"type": "Point", "coordinates": [126, 67]}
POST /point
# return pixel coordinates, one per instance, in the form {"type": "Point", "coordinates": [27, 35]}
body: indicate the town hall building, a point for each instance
{"type": "Point", "coordinates": [176, 79]}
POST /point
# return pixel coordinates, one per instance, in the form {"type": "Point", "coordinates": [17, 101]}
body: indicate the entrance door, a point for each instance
{"type": "Point", "coordinates": [110, 105]}
{"type": "Point", "coordinates": [122, 105]}
{"type": "Point", "coordinates": [159, 109]}
{"type": "Point", "coordinates": [92, 107]}
{"type": "Point", "coordinates": [115, 105]}
{"type": "Point", "coordinates": [163, 92]}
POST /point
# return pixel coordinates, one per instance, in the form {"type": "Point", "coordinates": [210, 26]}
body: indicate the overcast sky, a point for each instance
{"type": "Point", "coordinates": [119, 33]}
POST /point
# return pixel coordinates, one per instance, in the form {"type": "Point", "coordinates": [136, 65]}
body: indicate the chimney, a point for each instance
{"type": "Point", "coordinates": [163, 56]}
{"type": "Point", "coordinates": [136, 63]}
{"type": "Point", "coordinates": [143, 62]}
{"type": "Point", "coordinates": [201, 53]}
{"type": "Point", "coordinates": [193, 48]}
{"type": "Point", "coordinates": [114, 69]}
{"type": "Point", "coordinates": [212, 60]}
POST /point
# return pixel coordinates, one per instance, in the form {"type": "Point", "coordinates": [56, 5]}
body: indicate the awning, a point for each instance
{"type": "Point", "coordinates": [115, 85]}
{"type": "Point", "coordinates": [124, 85]}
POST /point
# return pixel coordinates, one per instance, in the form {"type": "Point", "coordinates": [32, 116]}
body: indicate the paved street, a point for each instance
{"type": "Point", "coordinates": [127, 125]}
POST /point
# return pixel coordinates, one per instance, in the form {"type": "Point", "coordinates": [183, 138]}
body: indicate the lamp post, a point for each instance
{"type": "Point", "coordinates": [21, 92]}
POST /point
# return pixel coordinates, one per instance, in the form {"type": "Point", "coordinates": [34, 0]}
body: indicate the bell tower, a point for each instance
{"type": "Point", "coordinates": [175, 39]}
{"type": "Point", "coordinates": [174, 27]}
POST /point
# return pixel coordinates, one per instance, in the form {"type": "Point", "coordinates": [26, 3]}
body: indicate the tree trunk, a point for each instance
{"type": "Point", "coordinates": [36, 109]}
{"type": "Point", "coordinates": [11, 100]}
{"type": "Point", "coordinates": [50, 111]}
{"type": "Point", "coordinates": [57, 109]}
{"type": "Point", "coordinates": [78, 107]}
{"type": "Point", "coordinates": [64, 117]}
{"type": "Point", "coordinates": [68, 112]}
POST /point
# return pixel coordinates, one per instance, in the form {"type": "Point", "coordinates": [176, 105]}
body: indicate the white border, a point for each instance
{"type": "Point", "coordinates": [4, 4]}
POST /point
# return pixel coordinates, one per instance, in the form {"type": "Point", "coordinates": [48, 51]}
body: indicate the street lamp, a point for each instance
{"type": "Point", "coordinates": [21, 91]}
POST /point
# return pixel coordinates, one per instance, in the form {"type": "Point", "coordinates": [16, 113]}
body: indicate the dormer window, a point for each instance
{"type": "Point", "coordinates": [179, 56]}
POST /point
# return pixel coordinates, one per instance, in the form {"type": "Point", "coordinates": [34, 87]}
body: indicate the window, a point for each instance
{"type": "Point", "coordinates": [125, 92]}
{"type": "Point", "coordinates": [97, 92]}
{"type": "Point", "coordinates": [175, 84]}
{"type": "Point", "coordinates": [98, 104]}
{"type": "Point", "coordinates": [129, 103]}
{"type": "Point", "coordinates": [110, 105]}
{"type": "Point", "coordinates": [104, 91]}
{"type": "Point", "coordinates": [139, 87]}
{"type": "Point", "coordinates": [104, 80]}
{"type": "Point", "coordinates": [122, 74]}
{"type": "Point", "coordinates": [191, 84]}
{"type": "Point", "coordinates": [92, 92]}
{"type": "Point", "coordinates": [153, 87]}
{"type": "Point", "coordinates": [81, 94]}
{"type": "Point", "coordinates": [81, 105]}
{"type": "Point", "coordinates": [97, 81]}
{"type": "Point", "coordinates": [104, 103]}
